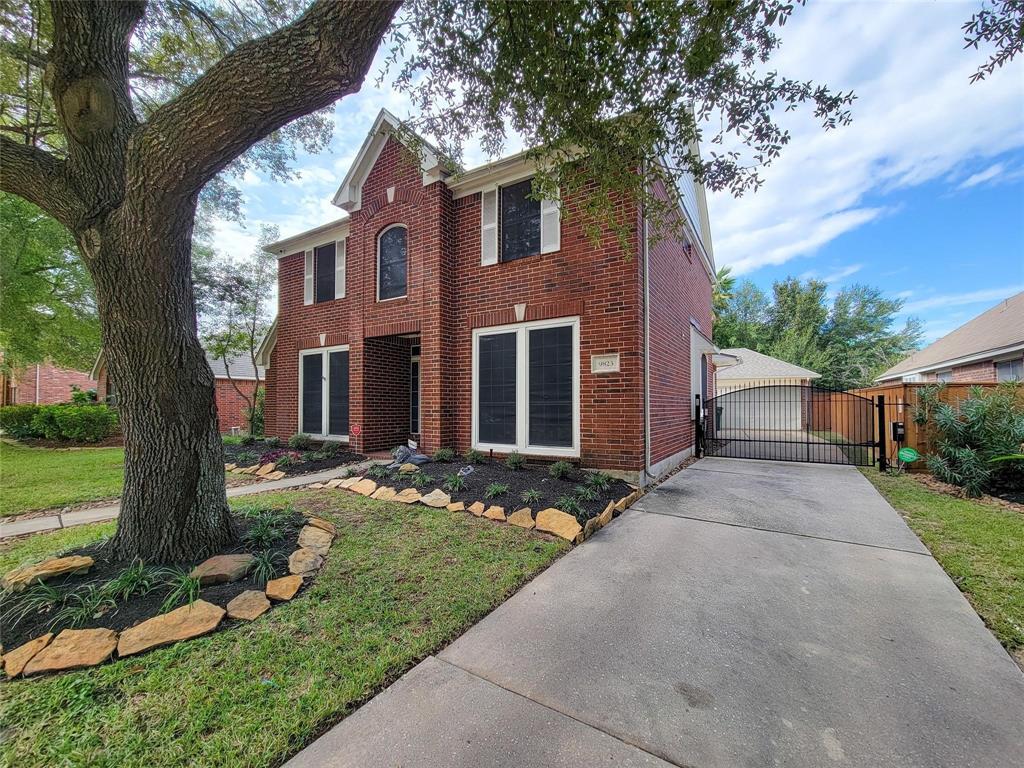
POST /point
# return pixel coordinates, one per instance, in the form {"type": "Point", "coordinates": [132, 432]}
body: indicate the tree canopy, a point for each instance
{"type": "Point", "coordinates": [849, 340]}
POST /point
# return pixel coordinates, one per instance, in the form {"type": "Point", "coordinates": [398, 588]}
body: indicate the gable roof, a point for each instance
{"type": "Point", "coordinates": [239, 365]}
{"type": "Point", "coordinates": [349, 194]}
{"type": "Point", "coordinates": [999, 329]}
{"type": "Point", "coordinates": [754, 365]}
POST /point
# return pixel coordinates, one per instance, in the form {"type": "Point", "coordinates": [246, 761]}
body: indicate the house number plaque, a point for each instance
{"type": "Point", "coordinates": [604, 363]}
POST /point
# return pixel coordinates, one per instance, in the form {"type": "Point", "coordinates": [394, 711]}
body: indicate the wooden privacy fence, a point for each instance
{"type": "Point", "coordinates": [901, 405]}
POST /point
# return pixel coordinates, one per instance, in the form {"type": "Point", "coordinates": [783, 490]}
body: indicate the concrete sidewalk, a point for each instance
{"type": "Point", "coordinates": [58, 520]}
{"type": "Point", "coordinates": [744, 614]}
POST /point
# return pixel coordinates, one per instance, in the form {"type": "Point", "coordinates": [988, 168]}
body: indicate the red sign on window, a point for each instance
{"type": "Point", "coordinates": [356, 430]}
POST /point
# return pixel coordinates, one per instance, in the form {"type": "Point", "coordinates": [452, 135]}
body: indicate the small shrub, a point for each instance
{"type": "Point", "coordinates": [515, 461]}
{"type": "Point", "coordinates": [473, 457]}
{"type": "Point", "coordinates": [231, 440]}
{"type": "Point", "coordinates": [443, 455]}
{"type": "Point", "coordinates": [247, 458]}
{"type": "Point", "coordinates": [38, 598]}
{"type": "Point", "coordinates": [571, 506]}
{"type": "Point", "coordinates": [496, 489]}
{"type": "Point", "coordinates": [81, 396]}
{"type": "Point", "coordinates": [560, 470]}
{"type": "Point", "coordinates": [585, 493]}
{"type": "Point", "coordinates": [136, 579]}
{"type": "Point", "coordinates": [277, 454]}
{"type": "Point", "coordinates": [454, 482]}
{"type": "Point", "coordinates": [248, 440]}
{"type": "Point", "coordinates": [266, 530]}
{"type": "Point", "coordinates": [286, 461]}
{"type": "Point", "coordinates": [78, 423]}
{"type": "Point", "coordinates": [330, 449]}
{"type": "Point", "coordinates": [599, 481]}
{"type": "Point", "coordinates": [81, 606]}
{"type": "Point", "coordinates": [16, 420]}
{"type": "Point", "coordinates": [419, 479]}
{"type": "Point", "coordinates": [272, 442]}
{"type": "Point", "coordinates": [181, 588]}
{"type": "Point", "coordinates": [531, 496]}
{"type": "Point", "coordinates": [377, 471]}
{"type": "Point", "coordinates": [265, 565]}
{"type": "Point", "coordinates": [300, 441]}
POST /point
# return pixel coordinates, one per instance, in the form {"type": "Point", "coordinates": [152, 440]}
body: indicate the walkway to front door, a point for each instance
{"type": "Point", "coordinates": [746, 613]}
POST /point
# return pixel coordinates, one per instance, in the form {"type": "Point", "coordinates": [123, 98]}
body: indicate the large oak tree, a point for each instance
{"type": "Point", "coordinates": [117, 128]}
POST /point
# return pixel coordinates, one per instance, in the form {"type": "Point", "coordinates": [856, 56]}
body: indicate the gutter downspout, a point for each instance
{"type": "Point", "coordinates": [647, 351]}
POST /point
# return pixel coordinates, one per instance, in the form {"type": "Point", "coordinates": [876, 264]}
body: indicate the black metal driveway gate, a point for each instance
{"type": "Point", "coordinates": [790, 423]}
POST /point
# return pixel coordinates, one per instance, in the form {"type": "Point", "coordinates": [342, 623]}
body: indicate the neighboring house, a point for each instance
{"type": "Point", "coordinates": [43, 384]}
{"type": "Point", "coordinates": [457, 312]}
{"type": "Point", "coordinates": [231, 404]}
{"type": "Point", "coordinates": [989, 348]}
{"type": "Point", "coordinates": [766, 393]}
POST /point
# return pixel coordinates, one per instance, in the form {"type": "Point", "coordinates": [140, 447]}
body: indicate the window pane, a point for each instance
{"type": "Point", "coordinates": [312, 393]}
{"type": "Point", "coordinates": [392, 263]}
{"type": "Point", "coordinates": [414, 397]}
{"type": "Point", "coordinates": [337, 394]}
{"type": "Point", "coordinates": [551, 387]}
{"type": "Point", "coordinates": [324, 273]}
{"type": "Point", "coordinates": [496, 394]}
{"type": "Point", "coordinates": [1010, 370]}
{"type": "Point", "coordinates": [520, 222]}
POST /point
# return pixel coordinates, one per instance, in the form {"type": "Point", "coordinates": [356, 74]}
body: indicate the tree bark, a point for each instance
{"type": "Point", "coordinates": [128, 193]}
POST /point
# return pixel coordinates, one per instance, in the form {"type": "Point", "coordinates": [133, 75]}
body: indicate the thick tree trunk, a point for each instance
{"type": "Point", "coordinates": [173, 507]}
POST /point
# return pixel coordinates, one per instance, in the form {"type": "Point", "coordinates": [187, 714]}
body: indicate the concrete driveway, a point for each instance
{"type": "Point", "coordinates": [744, 614]}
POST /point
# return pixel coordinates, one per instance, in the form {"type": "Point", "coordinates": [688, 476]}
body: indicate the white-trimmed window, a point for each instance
{"type": "Point", "coordinates": [526, 388]}
{"type": "Point", "coordinates": [515, 226]}
{"type": "Point", "coordinates": [392, 262]}
{"type": "Point", "coordinates": [323, 392]}
{"type": "Point", "coordinates": [324, 273]}
{"type": "Point", "coordinates": [1010, 370]}
{"type": "Point", "coordinates": [944, 376]}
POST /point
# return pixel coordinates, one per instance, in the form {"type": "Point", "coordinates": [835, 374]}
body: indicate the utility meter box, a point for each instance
{"type": "Point", "coordinates": [899, 432]}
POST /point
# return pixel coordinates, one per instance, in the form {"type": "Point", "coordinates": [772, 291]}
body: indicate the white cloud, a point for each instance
{"type": "Point", "coordinates": [986, 296]}
{"type": "Point", "coordinates": [832, 277]}
{"type": "Point", "coordinates": [917, 118]}
{"type": "Point", "coordinates": [981, 176]}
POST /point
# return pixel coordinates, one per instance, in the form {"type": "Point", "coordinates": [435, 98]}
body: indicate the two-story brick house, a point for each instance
{"type": "Point", "coordinates": [458, 312]}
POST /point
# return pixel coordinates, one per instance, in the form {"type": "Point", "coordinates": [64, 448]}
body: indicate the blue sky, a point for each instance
{"type": "Point", "coordinates": [922, 195]}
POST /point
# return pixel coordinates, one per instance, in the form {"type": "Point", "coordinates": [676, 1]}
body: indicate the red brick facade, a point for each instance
{"type": "Point", "coordinates": [450, 294]}
{"type": "Point", "coordinates": [980, 372]}
{"type": "Point", "coordinates": [46, 384]}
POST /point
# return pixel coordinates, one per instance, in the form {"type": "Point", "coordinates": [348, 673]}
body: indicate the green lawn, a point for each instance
{"type": "Point", "coordinates": [44, 478]}
{"type": "Point", "coordinates": [400, 582]}
{"type": "Point", "coordinates": [981, 547]}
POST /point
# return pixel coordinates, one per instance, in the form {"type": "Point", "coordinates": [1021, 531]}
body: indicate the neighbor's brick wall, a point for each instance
{"type": "Point", "coordinates": [680, 295]}
{"type": "Point", "coordinates": [231, 405]}
{"type": "Point", "coordinates": [54, 384]}
{"type": "Point", "coordinates": [975, 372]}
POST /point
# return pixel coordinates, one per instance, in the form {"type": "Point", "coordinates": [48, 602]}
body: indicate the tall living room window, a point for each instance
{"type": "Point", "coordinates": [526, 388]}
{"type": "Point", "coordinates": [323, 392]}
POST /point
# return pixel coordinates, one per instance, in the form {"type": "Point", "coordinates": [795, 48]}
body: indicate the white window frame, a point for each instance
{"type": "Point", "coordinates": [324, 352]}
{"type": "Point", "coordinates": [1004, 361]}
{"type": "Point", "coordinates": [940, 374]}
{"type": "Point", "coordinates": [379, 236]}
{"type": "Point", "coordinates": [522, 331]}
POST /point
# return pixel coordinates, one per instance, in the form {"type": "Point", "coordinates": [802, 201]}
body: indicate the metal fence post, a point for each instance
{"type": "Point", "coordinates": [883, 460]}
{"type": "Point", "coordinates": [698, 432]}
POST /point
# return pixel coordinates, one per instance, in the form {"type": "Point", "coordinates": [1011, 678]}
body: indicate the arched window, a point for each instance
{"type": "Point", "coordinates": [392, 263]}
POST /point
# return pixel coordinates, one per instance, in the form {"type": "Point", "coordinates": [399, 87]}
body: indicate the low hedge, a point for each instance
{"type": "Point", "coordinates": [74, 423]}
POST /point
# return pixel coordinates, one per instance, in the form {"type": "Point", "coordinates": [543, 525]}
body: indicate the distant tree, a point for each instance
{"type": "Point", "coordinates": [999, 23]}
{"type": "Point", "coordinates": [743, 321]}
{"type": "Point", "coordinates": [725, 282]}
{"type": "Point", "coordinates": [234, 295]}
{"type": "Point", "coordinates": [848, 342]}
{"type": "Point", "coordinates": [47, 302]}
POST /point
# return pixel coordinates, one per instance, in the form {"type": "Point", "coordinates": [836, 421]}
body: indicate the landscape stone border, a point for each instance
{"type": "Point", "coordinates": [79, 648]}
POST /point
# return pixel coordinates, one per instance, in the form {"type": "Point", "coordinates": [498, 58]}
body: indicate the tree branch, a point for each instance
{"type": "Point", "coordinates": [41, 179]}
{"type": "Point", "coordinates": [257, 88]}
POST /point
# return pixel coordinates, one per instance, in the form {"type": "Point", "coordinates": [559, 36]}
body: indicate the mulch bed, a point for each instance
{"type": "Point", "coordinates": [129, 612]}
{"type": "Point", "coordinates": [260, 453]}
{"type": "Point", "coordinates": [534, 476]}
{"type": "Point", "coordinates": [1003, 497]}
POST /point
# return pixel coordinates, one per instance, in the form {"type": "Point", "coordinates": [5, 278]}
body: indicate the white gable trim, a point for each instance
{"type": "Point", "coordinates": [266, 345]}
{"type": "Point", "coordinates": [350, 194]}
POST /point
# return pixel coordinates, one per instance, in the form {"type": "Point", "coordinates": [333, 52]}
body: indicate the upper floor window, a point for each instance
{"type": "Point", "coordinates": [520, 222]}
{"type": "Point", "coordinates": [513, 226]}
{"type": "Point", "coordinates": [324, 273]}
{"type": "Point", "coordinates": [1010, 370]}
{"type": "Point", "coordinates": [392, 263]}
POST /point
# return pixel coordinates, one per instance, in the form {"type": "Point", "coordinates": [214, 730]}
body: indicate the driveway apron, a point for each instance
{"type": "Point", "coordinates": [745, 613]}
